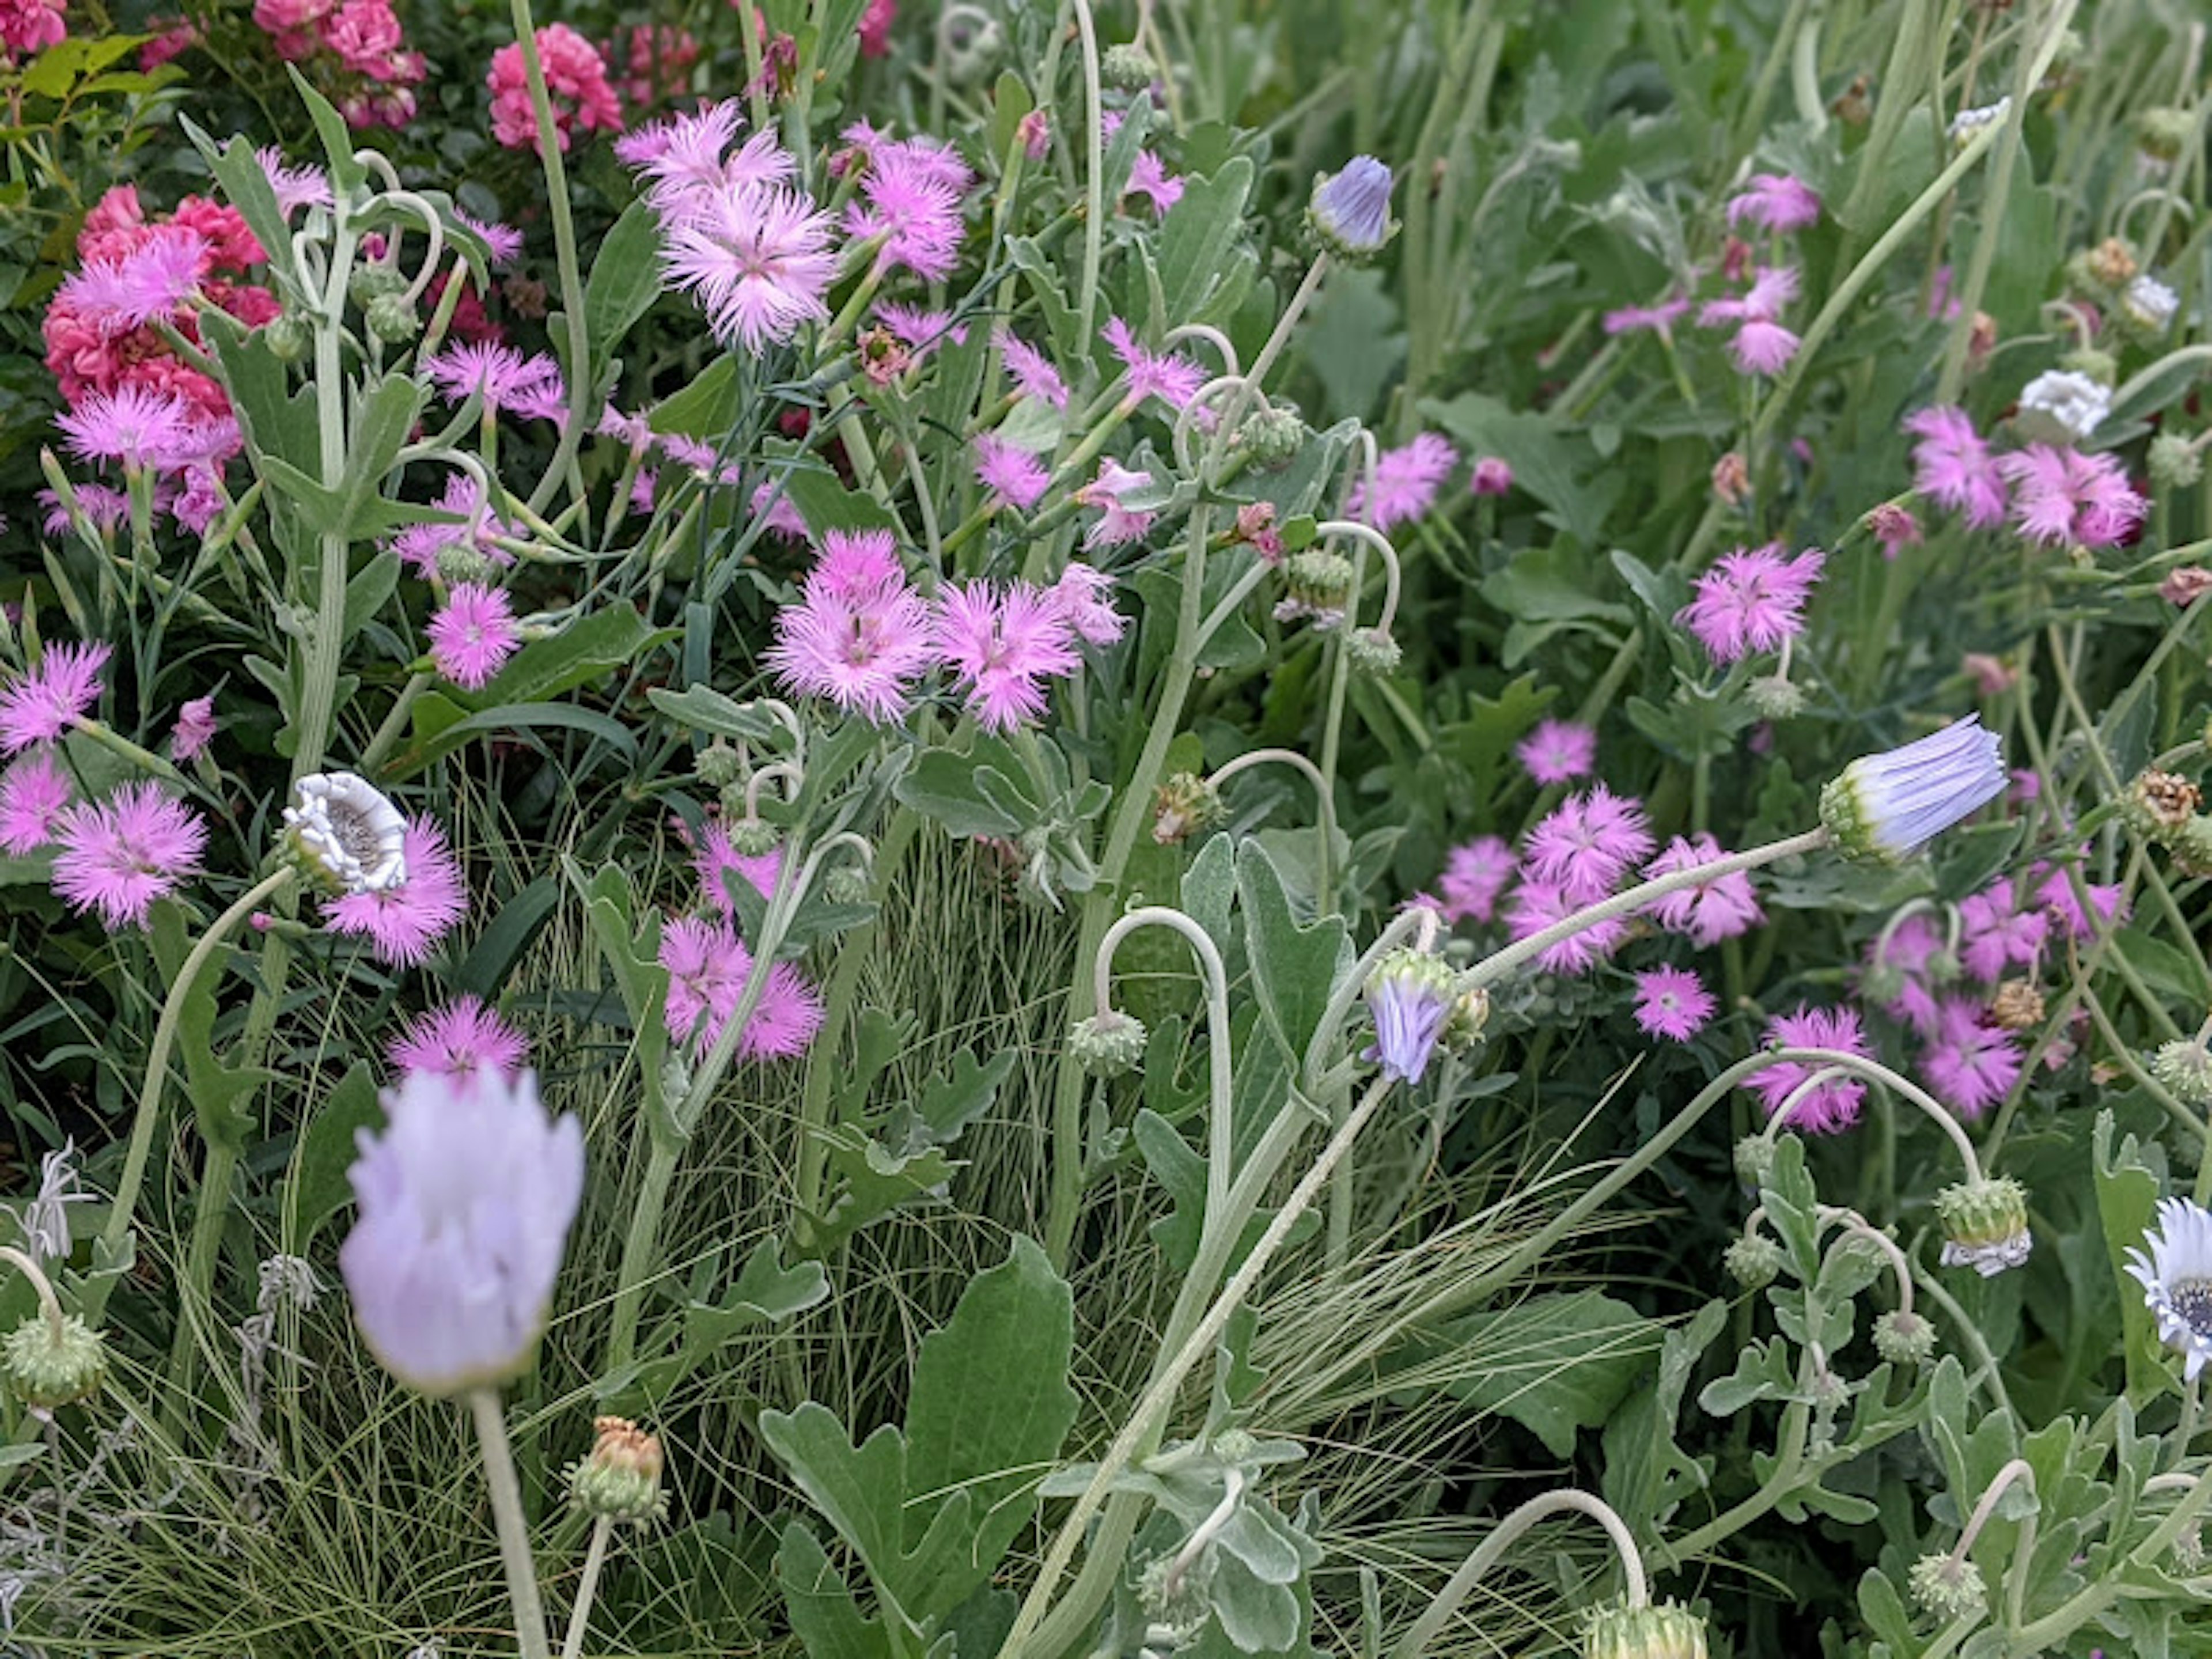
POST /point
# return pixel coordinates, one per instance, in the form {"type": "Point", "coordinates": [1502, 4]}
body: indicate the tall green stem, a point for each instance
{"type": "Point", "coordinates": [507, 1514]}
{"type": "Point", "coordinates": [581, 411]}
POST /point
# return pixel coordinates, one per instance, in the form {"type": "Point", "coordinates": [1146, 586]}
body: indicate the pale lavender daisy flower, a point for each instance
{"type": "Point", "coordinates": [2177, 1280]}
{"type": "Point", "coordinates": [1885, 807]}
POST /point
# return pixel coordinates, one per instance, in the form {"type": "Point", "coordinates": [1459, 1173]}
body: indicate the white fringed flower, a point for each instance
{"type": "Point", "coordinates": [2069, 400]}
{"type": "Point", "coordinates": [2177, 1280]}
{"type": "Point", "coordinates": [349, 831]}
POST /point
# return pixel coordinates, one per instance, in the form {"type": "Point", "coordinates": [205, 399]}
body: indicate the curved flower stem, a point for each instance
{"type": "Point", "coordinates": [1859, 1227]}
{"type": "Point", "coordinates": [1987, 1506]}
{"type": "Point", "coordinates": [1492, 1550]}
{"type": "Point", "coordinates": [1151, 1408]}
{"type": "Point", "coordinates": [1220, 1125]}
{"type": "Point", "coordinates": [1388, 553]}
{"type": "Point", "coordinates": [1325, 820]}
{"type": "Point", "coordinates": [1500, 962]}
{"type": "Point", "coordinates": [49, 1303]}
{"type": "Point", "coordinates": [580, 1616]}
{"type": "Point", "coordinates": [148, 1114]}
{"type": "Point", "coordinates": [564, 254]}
{"type": "Point", "coordinates": [1223, 346]}
{"type": "Point", "coordinates": [1875, 1071]}
{"type": "Point", "coordinates": [781, 771]}
{"type": "Point", "coordinates": [506, 1513]}
{"type": "Point", "coordinates": [1206, 1531]}
{"type": "Point", "coordinates": [1418, 919]}
{"type": "Point", "coordinates": [1278, 337]}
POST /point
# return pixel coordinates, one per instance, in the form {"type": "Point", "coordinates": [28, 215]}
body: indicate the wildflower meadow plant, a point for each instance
{"type": "Point", "coordinates": [1055, 831]}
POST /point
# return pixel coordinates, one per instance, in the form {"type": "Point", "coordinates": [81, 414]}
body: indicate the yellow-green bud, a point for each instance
{"type": "Point", "coordinates": [1951, 1589]}
{"type": "Point", "coordinates": [2172, 462]}
{"type": "Point", "coordinates": [751, 838]}
{"type": "Point", "coordinates": [1754, 1261]}
{"type": "Point", "coordinates": [620, 1479]}
{"type": "Point", "coordinates": [1469, 1014]}
{"type": "Point", "coordinates": [1108, 1045]}
{"type": "Point", "coordinates": [1316, 583]}
{"type": "Point", "coordinates": [1904, 1339]}
{"type": "Point", "coordinates": [1272, 436]}
{"type": "Point", "coordinates": [1127, 67]}
{"type": "Point", "coordinates": [1985, 1224]}
{"type": "Point", "coordinates": [1183, 805]}
{"type": "Point", "coordinates": [1775, 698]}
{"type": "Point", "coordinates": [2157, 804]}
{"type": "Point", "coordinates": [288, 338]}
{"type": "Point", "coordinates": [1373, 652]}
{"type": "Point", "coordinates": [45, 1368]}
{"type": "Point", "coordinates": [717, 765]}
{"type": "Point", "coordinates": [2185, 1069]}
{"type": "Point", "coordinates": [1662, 1630]}
{"type": "Point", "coordinates": [1754, 1161]}
{"type": "Point", "coordinates": [2161, 132]}
{"type": "Point", "coordinates": [2190, 847]}
{"type": "Point", "coordinates": [848, 884]}
{"type": "Point", "coordinates": [392, 319]}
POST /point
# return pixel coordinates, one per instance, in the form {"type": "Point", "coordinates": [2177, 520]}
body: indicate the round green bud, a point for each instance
{"type": "Point", "coordinates": [1127, 67]}
{"type": "Point", "coordinates": [717, 765]}
{"type": "Point", "coordinates": [288, 338]}
{"type": "Point", "coordinates": [463, 561]}
{"type": "Point", "coordinates": [751, 838]}
{"type": "Point", "coordinates": [972, 49]}
{"type": "Point", "coordinates": [1904, 1339]}
{"type": "Point", "coordinates": [1318, 582]}
{"type": "Point", "coordinates": [1274, 435]}
{"type": "Point", "coordinates": [1662, 1630]}
{"type": "Point", "coordinates": [1985, 1225]}
{"type": "Point", "coordinates": [2099, 366]}
{"type": "Point", "coordinates": [1948, 1589]}
{"type": "Point", "coordinates": [1755, 1160]}
{"type": "Point", "coordinates": [1373, 652]}
{"type": "Point", "coordinates": [2185, 1069]}
{"type": "Point", "coordinates": [1184, 804]}
{"type": "Point", "coordinates": [1754, 1261]}
{"type": "Point", "coordinates": [372, 282]}
{"type": "Point", "coordinates": [848, 884]}
{"type": "Point", "coordinates": [1463, 1022]}
{"type": "Point", "coordinates": [1775, 698]}
{"type": "Point", "coordinates": [1108, 1045]}
{"type": "Point", "coordinates": [1235, 1446]}
{"type": "Point", "coordinates": [2161, 133]}
{"type": "Point", "coordinates": [392, 319]}
{"type": "Point", "coordinates": [620, 1481]}
{"type": "Point", "coordinates": [2157, 804]}
{"type": "Point", "coordinates": [47, 1368]}
{"type": "Point", "coordinates": [2190, 847]}
{"type": "Point", "coordinates": [2173, 461]}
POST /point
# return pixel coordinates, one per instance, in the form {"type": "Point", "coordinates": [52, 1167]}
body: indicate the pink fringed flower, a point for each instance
{"type": "Point", "coordinates": [52, 697]}
{"type": "Point", "coordinates": [1775, 201]}
{"type": "Point", "coordinates": [145, 285]}
{"type": "Point", "coordinates": [1120, 523]}
{"type": "Point", "coordinates": [772, 500]}
{"type": "Point", "coordinates": [715, 860]}
{"type": "Point", "coordinates": [1003, 644]}
{"type": "Point", "coordinates": [1711, 911]}
{"type": "Point", "coordinates": [1034, 374]}
{"type": "Point", "coordinates": [1171, 377]}
{"type": "Point", "coordinates": [459, 1041]}
{"type": "Point", "coordinates": [1536, 905]}
{"type": "Point", "coordinates": [1751, 600]}
{"type": "Point", "coordinates": [1012, 475]}
{"type": "Point", "coordinates": [2055, 893]}
{"type": "Point", "coordinates": [1672, 1002]}
{"type": "Point", "coordinates": [575, 78]}
{"type": "Point", "coordinates": [135, 426]}
{"type": "Point", "coordinates": [503, 377]}
{"type": "Point", "coordinates": [1763, 347]}
{"type": "Point", "coordinates": [1084, 594]}
{"type": "Point", "coordinates": [1953, 467]}
{"type": "Point", "coordinates": [119, 856]}
{"type": "Point", "coordinates": [1659, 320]}
{"type": "Point", "coordinates": [1492, 476]}
{"type": "Point", "coordinates": [480, 530]}
{"type": "Point", "coordinates": [1903, 967]}
{"type": "Point", "coordinates": [1973, 1062]}
{"type": "Point", "coordinates": [910, 198]}
{"type": "Point", "coordinates": [2065, 496]}
{"type": "Point", "coordinates": [1998, 934]}
{"type": "Point", "coordinates": [194, 729]}
{"type": "Point", "coordinates": [1832, 1106]}
{"type": "Point", "coordinates": [859, 636]}
{"type": "Point", "coordinates": [1474, 874]}
{"type": "Point", "coordinates": [403, 923]}
{"type": "Point", "coordinates": [473, 634]}
{"type": "Point", "coordinates": [1558, 752]}
{"type": "Point", "coordinates": [708, 966]}
{"type": "Point", "coordinates": [35, 793]}
{"type": "Point", "coordinates": [875, 30]}
{"type": "Point", "coordinates": [1588, 843]}
{"type": "Point", "coordinates": [1150, 180]}
{"type": "Point", "coordinates": [757, 259]}
{"type": "Point", "coordinates": [1894, 527]}
{"type": "Point", "coordinates": [1405, 482]}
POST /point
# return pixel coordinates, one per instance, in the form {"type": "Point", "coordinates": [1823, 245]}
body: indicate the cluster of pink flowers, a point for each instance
{"type": "Point", "coordinates": [657, 60]}
{"type": "Point", "coordinates": [112, 857]}
{"type": "Point", "coordinates": [29, 27]}
{"type": "Point", "coordinates": [1760, 344]}
{"type": "Point", "coordinates": [2053, 494]}
{"type": "Point", "coordinates": [709, 963]}
{"type": "Point", "coordinates": [910, 196]}
{"type": "Point", "coordinates": [356, 44]}
{"type": "Point", "coordinates": [1778, 204]}
{"type": "Point", "coordinates": [575, 81]}
{"type": "Point", "coordinates": [862, 638]}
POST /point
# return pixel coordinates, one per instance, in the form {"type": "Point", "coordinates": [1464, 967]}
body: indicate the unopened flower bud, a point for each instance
{"type": "Point", "coordinates": [1316, 583]}
{"type": "Point", "coordinates": [1373, 652]}
{"type": "Point", "coordinates": [2161, 132]}
{"type": "Point", "coordinates": [848, 884]}
{"type": "Point", "coordinates": [717, 765]}
{"type": "Point", "coordinates": [1409, 996]}
{"type": "Point", "coordinates": [2185, 1070]}
{"type": "Point", "coordinates": [1127, 67]}
{"type": "Point", "coordinates": [2159, 803]}
{"type": "Point", "coordinates": [1272, 436]}
{"type": "Point", "coordinates": [1754, 1161]}
{"type": "Point", "coordinates": [2173, 464]}
{"type": "Point", "coordinates": [1184, 804]}
{"type": "Point", "coordinates": [288, 338]}
{"type": "Point", "coordinates": [2190, 847]}
{"type": "Point", "coordinates": [463, 561]}
{"type": "Point", "coordinates": [1731, 479]}
{"type": "Point", "coordinates": [2111, 265]}
{"type": "Point", "coordinates": [1463, 1021]}
{"type": "Point", "coordinates": [675, 1075]}
{"type": "Point", "coordinates": [2017, 1006]}
{"type": "Point", "coordinates": [1661, 1630]}
{"type": "Point", "coordinates": [45, 1369]}
{"type": "Point", "coordinates": [1968, 122]}
{"type": "Point", "coordinates": [1349, 212]}
{"type": "Point", "coordinates": [620, 1479]}
{"type": "Point", "coordinates": [1985, 1225]}
{"type": "Point", "coordinates": [2099, 367]}
{"type": "Point", "coordinates": [1949, 1589]}
{"type": "Point", "coordinates": [392, 319]}
{"type": "Point", "coordinates": [1754, 1261]}
{"type": "Point", "coordinates": [1884, 808]}
{"type": "Point", "coordinates": [1775, 698]}
{"type": "Point", "coordinates": [973, 46]}
{"type": "Point", "coordinates": [1493, 476]}
{"type": "Point", "coordinates": [1034, 131]}
{"type": "Point", "coordinates": [1108, 1045]}
{"type": "Point", "coordinates": [1904, 1339]}
{"type": "Point", "coordinates": [2148, 304]}
{"type": "Point", "coordinates": [751, 838]}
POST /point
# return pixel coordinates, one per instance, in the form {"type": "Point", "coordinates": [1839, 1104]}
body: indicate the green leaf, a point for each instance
{"type": "Point", "coordinates": [2128, 1187]}
{"type": "Point", "coordinates": [1294, 966]}
{"type": "Point", "coordinates": [246, 186]}
{"type": "Point", "coordinates": [823, 1616]}
{"type": "Point", "coordinates": [625, 280]}
{"type": "Point", "coordinates": [346, 173]}
{"type": "Point", "coordinates": [367, 590]}
{"type": "Point", "coordinates": [942, 785]}
{"type": "Point", "coordinates": [1180, 1168]}
{"type": "Point", "coordinates": [513, 925]}
{"type": "Point", "coordinates": [1197, 235]}
{"type": "Point", "coordinates": [317, 1189]}
{"type": "Point", "coordinates": [512, 717]}
{"type": "Point", "coordinates": [859, 1490]}
{"type": "Point", "coordinates": [1762, 1372]}
{"type": "Point", "coordinates": [706, 409]}
{"type": "Point", "coordinates": [990, 1408]}
{"type": "Point", "coordinates": [1647, 1475]}
{"type": "Point", "coordinates": [595, 644]}
{"type": "Point", "coordinates": [1556, 1364]}
{"type": "Point", "coordinates": [950, 1102]}
{"type": "Point", "coordinates": [702, 708]}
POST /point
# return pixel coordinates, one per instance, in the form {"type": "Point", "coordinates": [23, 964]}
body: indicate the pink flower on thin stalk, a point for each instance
{"type": "Point", "coordinates": [1149, 179]}
{"type": "Point", "coordinates": [1952, 466]}
{"type": "Point", "coordinates": [1119, 523]}
{"type": "Point", "coordinates": [1672, 1002]}
{"type": "Point", "coordinates": [1169, 376]}
{"type": "Point", "coordinates": [403, 923]}
{"type": "Point", "coordinates": [1752, 601]}
{"type": "Point", "coordinates": [459, 1041]}
{"type": "Point", "coordinates": [1003, 644]}
{"type": "Point", "coordinates": [910, 198]}
{"type": "Point", "coordinates": [2065, 496]}
{"type": "Point", "coordinates": [194, 729]}
{"type": "Point", "coordinates": [1894, 527]}
{"type": "Point", "coordinates": [1711, 911]}
{"type": "Point", "coordinates": [1536, 905]}
{"type": "Point", "coordinates": [1831, 1106]}
{"type": "Point", "coordinates": [1013, 475]}
{"type": "Point", "coordinates": [133, 425]}
{"type": "Point", "coordinates": [759, 261]}
{"type": "Point", "coordinates": [859, 636]}
{"type": "Point", "coordinates": [473, 634]}
{"type": "Point", "coordinates": [1558, 752]}
{"type": "Point", "coordinates": [1659, 320]}
{"type": "Point", "coordinates": [1588, 843]}
{"type": "Point", "coordinates": [1034, 374]}
{"type": "Point", "coordinates": [715, 860]}
{"type": "Point", "coordinates": [503, 377]}
{"type": "Point", "coordinates": [1474, 874]}
{"type": "Point", "coordinates": [41, 705]}
{"type": "Point", "coordinates": [1775, 201]}
{"type": "Point", "coordinates": [35, 793]}
{"type": "Point", "coordinates": [1405, 482]}
{"type": "Point", "coordinates": [119, 856]}
{"type": "Point", "coordinates": [708, 966]}
{"type": "Point", "coordinates": [1973, 1062]}
{"type": "Point", "coordinates": [1083, 595]}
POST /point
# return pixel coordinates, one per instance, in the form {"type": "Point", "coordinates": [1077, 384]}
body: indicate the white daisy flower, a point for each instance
{"type": "Point", "coordinates": [2068, 400]}
{"type": "Point", "coordinates": [2149, 303]}
{"type": "Point", "coordinates": [349, 831]}
{"type": "Point", "coordinates": [2177, 1280]}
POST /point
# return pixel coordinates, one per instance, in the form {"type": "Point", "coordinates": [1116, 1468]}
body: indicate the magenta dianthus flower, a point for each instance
{"type": "Point", "coordinates": [1751, 600]}
{"type": "Point", "coordinates": [911, 199]}
{"type": "Point", "coordinates": [1492, 476]}
{"type": "Point", "coordinates": [1407, 480]}
{"type": "Point", "coordinates": [194, 729]}
{"type": "Point", "coordinates": [756, 258]}
{"type": "Point", "coordinates": [1169, 376]}
{"type": "Point", "coordinates": [1558, 752]}
{"type": "Point", "coordinates": [2055, 893]}
{"type": "Point", "coordinates": [41, 705]}
{"type": "Point", "coordinates": [1588, 843]}
{"type": "Point", "coordinates": [1952, 466]}
{"type": "Point", "coordinates": [1003, 644]}
{"type": "Point", "coordinates": [1972, 1062]}
{"type": "Point", "coordinates": [716, 860]}
{"type": "Point", "coordinates": [1998, 934]}
{"type": "Point", "coordinates": [1536, 905]}
{"type": "Point", "coordinates": [35, 793]}
{"type": "Point", "coordinates": [2064, 495]}
{"type": "Point", "coordinates": [481, 529]}
{"type": "Point", "coordinates": [146, 285]}
{"type": "Point", "coordinates": [1659, 320]}
{"type": "Point", "coordinates": [1150, 180]}
{"type": "Point", "coordinates": [1672, 1002]}
{"type": "Point", "coordinates": [473, 634]}
{"type": "Point", "coordinates": [1014, 476]}
{"type": "Point", "coordinates": [459, 1041]}
{"type": "Point", "coordinates": [1033, 371]}
{"type": "Point", "coordinates": [708, 966]}
{"type": "Point", "coordinates": [1084, 594]}
{"type": "Point", "coordinates": [1711, 911]}
{"type": "Point", "coordinates": [119, 856]}
{"type": "Point", "coordinates": [1832, 1106]}
{"type": "Point", "coordinates": [134, 425]}
{"type": "Point", "coordinates": [1120, 523]}
{"type": "Point", "coordinates": [1474, 874]}
{"type": "Point", "coordinates": [500, 374]}
{"type": "Point", "coordinates": [403, 922]}
{"type": "Point", "coordinates": [1894, 527]}
{"type": "Point", "coordinates": [859, 636]}
{"type": "Point", "coordinates": [1775, 201]}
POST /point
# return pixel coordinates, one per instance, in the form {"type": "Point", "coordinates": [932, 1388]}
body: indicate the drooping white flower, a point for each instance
{"type": "Point", "coordinates": [352, 835]}
{"type": "Point", "coordinates": [2177, 1280]}
{"type": "Point", "coordinates": [1885, 807]}
{"type": "Point", "coordinates": [45, 1220]}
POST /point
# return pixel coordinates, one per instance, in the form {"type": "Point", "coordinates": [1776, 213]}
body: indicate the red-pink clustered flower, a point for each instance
{"type": "Point", "coordinates": [29, 27]}
{"type": "Point", "coordinates": [575, 79]}
{"type": "Point", "coordinates": [657, 60]}
{"type": "Point", "coordinates": [356, 48]}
